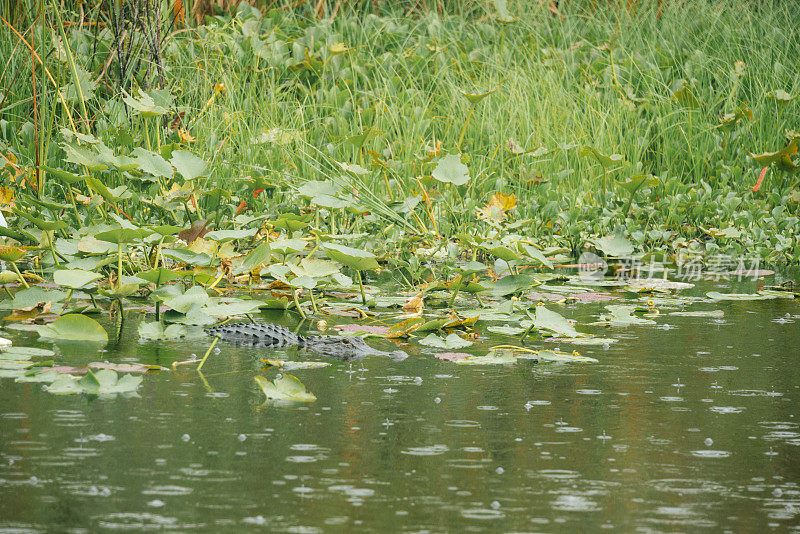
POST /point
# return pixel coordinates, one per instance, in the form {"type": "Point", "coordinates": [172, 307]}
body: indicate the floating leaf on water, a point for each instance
{"type": "Point", "coordinates": [493, 358]}
{"type": "Point", "coordinates": [545, 319]}
{"type": "Point", "coordinates": [48, 375]}
{"type": "Point", "coordinates": [452, 356]}
{"type": "Point", "coordinates": [25, 298]}
{"type": "Point", "coordinates": [75, 327]}
{"type": "Point", "coordinates": [65, 384]}
{"type": "Point", "coordinates": [286, 388]}
{"type": "Point", "coordinates": [582, 340]}
{"type": "Point", "coordinates": [506, 330]}
{"type": "Point", "coordinates": [751, 273]}
{"type": "Point", "coordinates": [622, 315]}
{"type": "Point", "coordinates": [369, 329]}
{"type": "Point", "coordinates": [453, 341]}
{"type": "Point", "coordinates": [702, 313]}
{"type": "Point", "coordinates": [716, 295]}
{"type": "Point", "coordinates": [512, 284]}
{"type": "Point", "coordinates": [564, 357]}
{"type": "Point", "coordinates": [24, 353]}
{"type": "Point", "coordinates": [289, 366]}
{"type": "Point", "coordinates": [231, 309]}
{"type": "Point", "coordinates": [404, 328]}
{"type": "Point", "coordinates": [156, 330]}
{"type": "Point", "coordinates": [451, 170]}
{"type": "Point", "coordinates": [656, 284]}
{"type": "Point", "coordinates": [140, 368]}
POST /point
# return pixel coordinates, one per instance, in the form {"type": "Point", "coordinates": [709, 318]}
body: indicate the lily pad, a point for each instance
{"type": "Point", "coordinates": [493, 358]}
{"type": "Point", "coordinates": [404, 328]}
{"type": "Point", "coordinates": [512, 284]}
{"type": "Point", "coordinates": [75, 327]}
{"type": "Point", "coordinates": [75, 278]}
{"type": "Point", "coordinates": [352, 257]}
{"type": "Point", "coordinates": [156, 330]}
{"type": "Point", "coordinates": [563, 357]}
{"type": "Point", "coordinates": [701, 313]}
{"type": "Point", "coordinates": [24, 353]}
{"type": "Point", "coordinates": [453, 341]}
{"type": "Point", "coordinates": [616, 246]}
{"type": "Point", "coordinates": [545, 319]}
{"type": "Point", "coordinates": [289, 366]}
{"type": "Point", "coordinates": [285, 388]}
{"type": "Point", "coordinates": [506, 330]}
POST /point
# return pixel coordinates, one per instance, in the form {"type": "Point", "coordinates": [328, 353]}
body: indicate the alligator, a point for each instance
{"type": "Point", "coordinates": [348, 349]}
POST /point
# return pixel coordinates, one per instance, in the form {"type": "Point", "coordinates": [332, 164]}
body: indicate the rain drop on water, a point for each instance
{"type": "Point", "coordinates": [241, 437]}
{"type": "Point", "coordinates": [709, 442]}
{"type": "Point", "coordinates": [499, 470]}
{"type": "Point", "coordinates": [186, 437]}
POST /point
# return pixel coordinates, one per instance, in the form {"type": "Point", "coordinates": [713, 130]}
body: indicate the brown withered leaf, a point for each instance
{"type": "Point", "coordinates": [30, 313]}
{"type": "Point", "coordinates": [415, 304]}
{"type": "Point", "coordinates": [198, 229]}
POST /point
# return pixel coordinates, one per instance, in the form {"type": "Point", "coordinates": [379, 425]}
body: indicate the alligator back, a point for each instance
{"type": "Point", "coordinates": [256, 334]}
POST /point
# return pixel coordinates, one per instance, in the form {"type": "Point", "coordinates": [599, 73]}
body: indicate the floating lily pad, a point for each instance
{"type": "Point", "coordinates": [493, 358]}
{"type": "Point", "coordinates": [289, 366]}
{"type": "Point", "coordinates": [622, 315]}
{"type": "Point", "coordinates": [453, 341]}
{"type": "Point", "coordinates": [583, 340]}
{"type": "Point", "coordinates": [75, 327]}
{"type": "Point", "coordinates": [506, 330]}
{"type": "Point", "coordinates": [24, 353]}
{"type": "Point", "coordinates": [512, 284]}
{"type": "Point", "coordinates": [156, 330]}
{"type": "Point", "coordinates": [656, 284]}
{"type": "Point", "coordinates": [285, 388]}
{"type": "Point", "coordinates": [404, 328]}
{"type": "Point", "coordinates": [564, 357]}
{"type": "Point", "coordinates": [452, 356]}
{"type": "Point", "coordinates": [545, 319]}
{"type": "Point", "coordinates": [703, 313]}
{"type": "Point", "coordinates": [231, 309]}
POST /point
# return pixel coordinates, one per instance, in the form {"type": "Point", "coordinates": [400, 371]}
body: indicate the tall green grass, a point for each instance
{"type": "Point", "coordinates": [605, 78]}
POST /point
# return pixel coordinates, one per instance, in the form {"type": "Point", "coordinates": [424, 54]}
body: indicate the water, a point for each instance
{"type": "Point", "coordinates": [694, 427]}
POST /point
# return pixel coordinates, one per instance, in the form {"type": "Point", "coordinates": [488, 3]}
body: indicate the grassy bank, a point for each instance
{"type": "Point", "coordinates": [400, 129]}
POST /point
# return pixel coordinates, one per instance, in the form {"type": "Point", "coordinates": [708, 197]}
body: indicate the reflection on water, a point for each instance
{"type": "Point", "coordinates": [696, 426]}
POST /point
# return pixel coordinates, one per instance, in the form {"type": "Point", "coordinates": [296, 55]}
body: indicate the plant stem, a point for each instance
{"type": "Point", "coordinates": [464, 128]}
{"type": "Point", "coordinates": [22, 278]}
{"type": "Point", "coordinates": [361, 286]}
{"type": "Point", "coordinates": [297, 304]}
{"type": "Point", "coordinates": [205, 357]}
